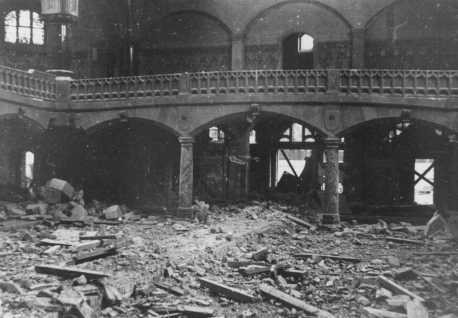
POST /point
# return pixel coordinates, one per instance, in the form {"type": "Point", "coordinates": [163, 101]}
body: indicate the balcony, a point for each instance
{"type": "Point", "coordinates": [340, 83]}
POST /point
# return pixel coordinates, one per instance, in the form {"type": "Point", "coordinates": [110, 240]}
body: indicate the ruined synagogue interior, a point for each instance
{"type": "Point", "coordinates": [228, 158]}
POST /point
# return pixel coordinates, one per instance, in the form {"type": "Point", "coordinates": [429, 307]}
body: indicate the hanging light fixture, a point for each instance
{"type": "Point", "coordinates": [59, 14]}
{"type": "Point", "coordinates": [64, 11]}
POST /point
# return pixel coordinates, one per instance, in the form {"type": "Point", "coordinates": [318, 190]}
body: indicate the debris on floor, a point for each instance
{"type": "Point", "coordinates": [259, 259]}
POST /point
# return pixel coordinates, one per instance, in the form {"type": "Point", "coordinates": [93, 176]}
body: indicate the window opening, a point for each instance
{"type": "Point", "coordinates": [24, 26]}
{"type": "Point", "coordinates": [424, 182]}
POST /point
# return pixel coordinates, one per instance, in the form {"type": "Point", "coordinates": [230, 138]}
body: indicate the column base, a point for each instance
{"type": "Point", "coordinates": [329, 219]}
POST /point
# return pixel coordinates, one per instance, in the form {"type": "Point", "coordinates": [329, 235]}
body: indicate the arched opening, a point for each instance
{"type": "Point", "coordinates": [273, 36]}
{"type": "Point", "coordinates": [257, 154]}
{"type": "Point", "coordinates": [28, 172]}
{"type": "Point", "coordinates": [133, 161]}
{"type": "Point", "coordinates": [18, 143]}
{"type": "Point", "coordinates": [185, 41]}
{"type": "Point", "coordinates": [298, 51]}
{"type": "Point", "coordinates": [402, 37]}
{"type": "Point", "coordinates": [398, 165]}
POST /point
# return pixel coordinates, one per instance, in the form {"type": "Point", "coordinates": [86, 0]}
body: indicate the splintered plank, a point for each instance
{"type": "Point", "coordinates": [254, 269]}
{"type": "Point", "coordinates": [54, 242]}
{"type": "Point", "coordinates": [229, 292]}
{"type": "Point", "coordinates": [97, 237]}
{"type": "Point", "coordinates": [300, 221]}
{"type": "Point", "coordinates": [171, 289]}
{"type": "Point", "coordinates": [380, 313]}
{"type": "Point", "coordinates": [90, 256]}
{"type": "Point", "coordinates": [68, 271]}
{"type": "Point", "coordinates": [196, 311]}
{"type": "Point", "coordinates": [392, 286]}
{"type": "Point", "coordinates": [189, 311]}
{"type": "Point", "coordinates": [293, 302]}
{"type": "Point", "coordinates": [334, 257]}
{"type": "Point", "coordinates": [402, 241]}
{"type": "Point", "coordinates": [87, 245]}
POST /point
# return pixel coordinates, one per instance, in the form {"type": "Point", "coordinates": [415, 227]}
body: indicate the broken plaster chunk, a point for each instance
{"type": "Point", "coordinates": [12, 288]}
{"type": "Point", "coordinates": [113, 212]}
{"type": "Point", "coordinates": [57, 190]}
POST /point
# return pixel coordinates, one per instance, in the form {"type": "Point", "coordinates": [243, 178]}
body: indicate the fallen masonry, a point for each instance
{"type": "Point", "coordinates": [278, 262]}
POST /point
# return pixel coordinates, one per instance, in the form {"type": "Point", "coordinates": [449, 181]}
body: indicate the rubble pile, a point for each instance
{"type": "Point", "coordinates": [67, 259]}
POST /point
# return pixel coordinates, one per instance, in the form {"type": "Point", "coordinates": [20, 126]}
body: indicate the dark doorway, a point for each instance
{"type": "Point", "coordinates": [298, 51]}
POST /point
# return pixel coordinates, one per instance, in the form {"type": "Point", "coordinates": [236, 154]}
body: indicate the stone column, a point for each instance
{"type": "Point", "coordinates": [238, 53]}
{"type": "Point", "coordinates": [240, 148]}
{"type": "Point", "coordinates": [331, 206]}
{"type": "Point", "coordinates": [357, 48]}
{"type": "Point", "coordinates": [185, 189]}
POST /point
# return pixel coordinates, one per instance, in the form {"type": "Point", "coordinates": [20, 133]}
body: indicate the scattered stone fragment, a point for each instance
{"type": "Point", "coordinates": [113, 212]}
{"type": "Point", "coordinates": [415, 309]}
{"type": "Point", "coordinates": [11, 287]}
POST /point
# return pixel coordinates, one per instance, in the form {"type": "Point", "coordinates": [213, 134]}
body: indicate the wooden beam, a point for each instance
{"type": "Point", "coordinates": [300, 221]}
{"type": "Point", "coordinates": [90, 256]}
{"type": "Point", "coordinates": [229, 292]}
{"type": "Point", "coordinates": [380, 313]}
{"type": "Point", "coordinates": [334, 257]}
{"type": "Point", "coordinates": [289, 163]}
{"type": "Point", "coordinates": [293, 302]}
{"type": "Point", "coordinates": [68, 271]}
{"type": "Point", "coordinates": [401, 240]}
{"type": "Point", "coordinates": [392, 286]}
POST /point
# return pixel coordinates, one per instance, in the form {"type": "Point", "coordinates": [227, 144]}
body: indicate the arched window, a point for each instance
{"type": "Point", "coordinates": [24, 26]}
{"type": "Point", "coordinates": [305, 43]}
{"type": "Point", "coordinates": [298, 51]}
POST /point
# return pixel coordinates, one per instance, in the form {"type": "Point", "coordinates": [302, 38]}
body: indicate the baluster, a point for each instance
{"type": "Point", "coordinates": [426, 83]}
{"type": "Point", "coordinates": [403, 88]}
{"type": "Point", "coordinates": [307, 74]}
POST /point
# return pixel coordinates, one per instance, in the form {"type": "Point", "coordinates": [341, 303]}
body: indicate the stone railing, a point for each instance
{"type": "Point", "coordinates": [410, 83]}
{"type": "Point", "coordinates": [231, 82]}
{"type": "Point", "coordinates": [126, 87]}
{"type": "Point", "coordinates": [399, 82]}
{"type": "Point", "coordinates": [32, 84]}
{"type": "Point", "coordinates": [343, 81]}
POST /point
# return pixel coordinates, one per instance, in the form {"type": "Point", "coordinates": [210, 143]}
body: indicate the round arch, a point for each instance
{"type": "Point", "coordinates": [257, 114]}
{"type": "Point", "coordinates": [356, 118]}
{"type": "Point", "coordinates": [362, 124]}
{"type": "Point", "coordinates": [373, 18]}
{"type": "Point", "coordinates": [246, 29]}
{"type": "Point", "coordinates": [208, 15]}
{"type": "Point", "coordinates": [27, 120]}
{"type": "Point", "coordinates": [107, 121]}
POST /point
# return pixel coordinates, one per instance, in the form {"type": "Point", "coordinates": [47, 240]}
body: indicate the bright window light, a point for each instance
{"type": "Point", "coordinates": [305, 43]}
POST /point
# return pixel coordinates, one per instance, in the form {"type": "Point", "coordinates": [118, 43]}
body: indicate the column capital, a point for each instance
{"type": "Point", "coordinates": [186, 140]}
{"type": "Point", "coordinates": [331, 142]}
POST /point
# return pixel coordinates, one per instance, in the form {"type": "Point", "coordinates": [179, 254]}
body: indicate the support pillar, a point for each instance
{"type": "Point", "coordinates": [238, 53]}
{"type": "Point", "coordinates": [185, 189]}
{"type": "Point", "coordinates": [240, 150]}
{"type": "Point", "coordinates": [331, 207]}
{"type": "Point", "coordinates": [357, 48]}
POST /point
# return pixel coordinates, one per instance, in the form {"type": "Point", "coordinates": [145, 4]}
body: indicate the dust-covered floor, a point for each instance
{"type": "Point", "coordinates": [161, 266]}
